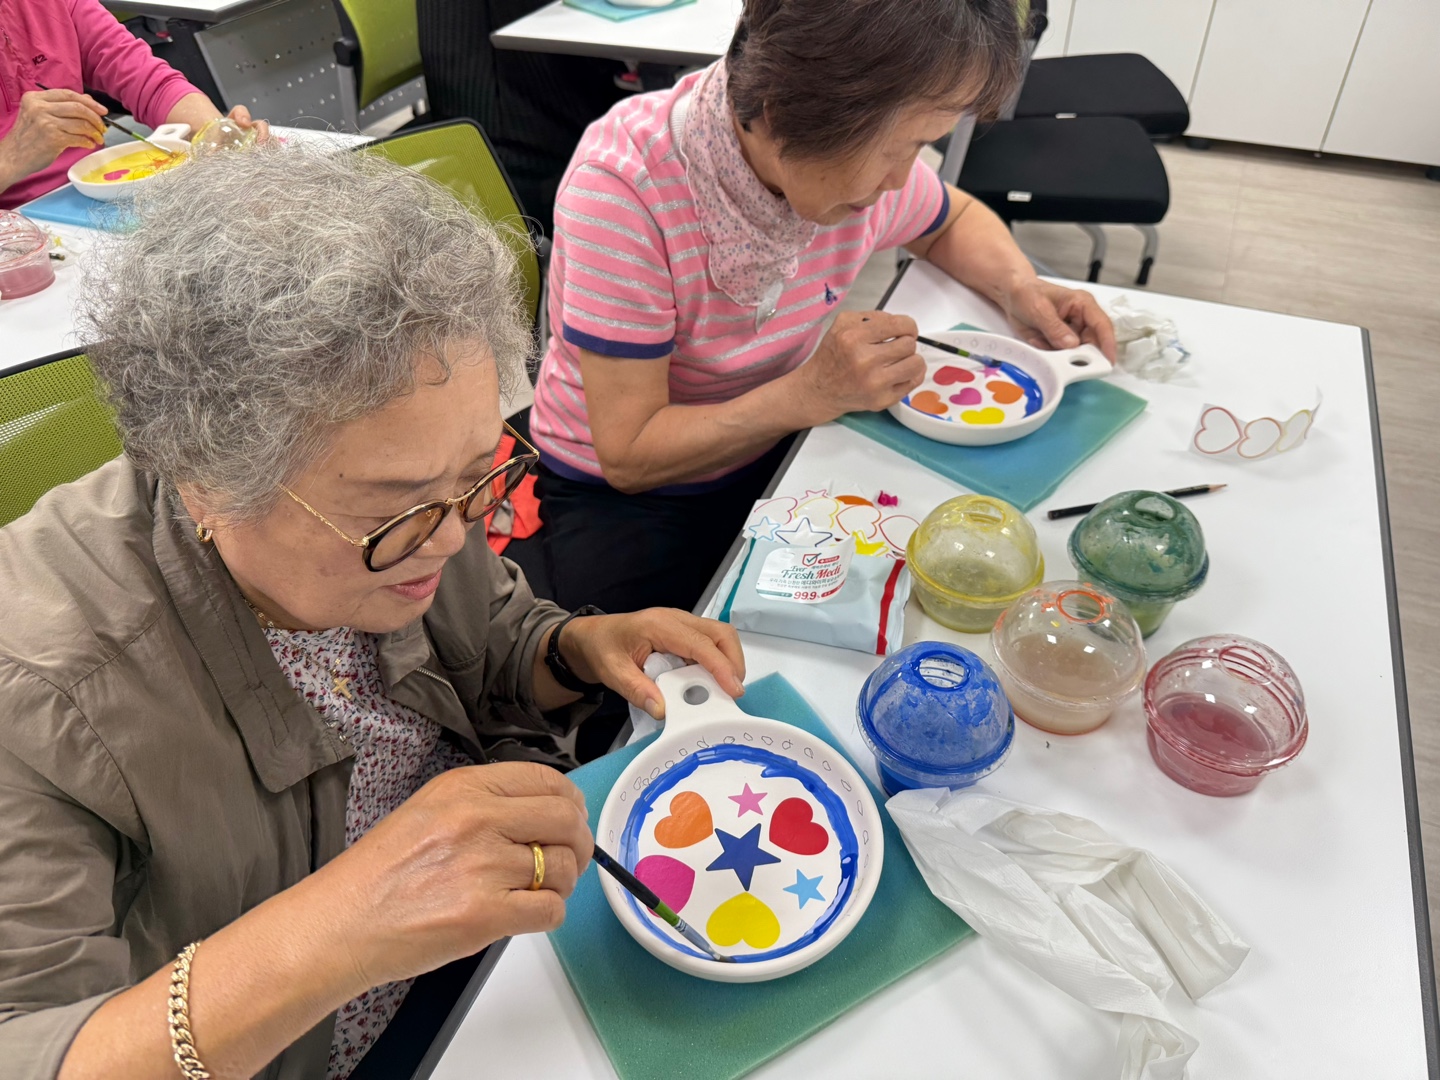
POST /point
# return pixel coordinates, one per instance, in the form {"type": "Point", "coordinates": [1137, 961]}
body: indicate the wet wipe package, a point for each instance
{"type": "Point", "coordinates": [828, 594]}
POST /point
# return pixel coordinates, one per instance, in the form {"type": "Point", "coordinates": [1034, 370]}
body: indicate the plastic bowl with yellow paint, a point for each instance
{"type": "Point", "coordinates": [967, 403]}
{"type": "Point", "coordinates": [760, 835]}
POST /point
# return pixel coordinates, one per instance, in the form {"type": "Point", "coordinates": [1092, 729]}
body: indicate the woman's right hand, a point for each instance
{"type": "Point", "coordinates": [866, 362]}
{"type": "Point", "coordinates": [449, 871]}
{"type": "Point", "coordinates": [50, 122]}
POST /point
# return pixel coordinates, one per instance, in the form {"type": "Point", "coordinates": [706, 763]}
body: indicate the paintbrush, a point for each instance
{"type": "Point", "coordinates": [1178, 493]}
{"type": "Point", "coordinates": [955, 350]}
{"type": "Point", "coordinates": [636, 888]}
{"type": "Point", "coordinates": [133, 134]}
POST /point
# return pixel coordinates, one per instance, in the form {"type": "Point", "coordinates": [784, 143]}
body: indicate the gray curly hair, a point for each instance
{"type": "Point", "coordinates": [266, 296]}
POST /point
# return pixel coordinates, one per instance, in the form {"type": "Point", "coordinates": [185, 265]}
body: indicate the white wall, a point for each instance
{"type": "Point", "coordinates": [1168, 32]}
{"type": "Point", "coordinates": [1391, 109]}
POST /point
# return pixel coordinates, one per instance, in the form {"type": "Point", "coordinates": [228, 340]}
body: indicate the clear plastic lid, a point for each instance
{"type": "Point", "coordinates": [937, 708]}
{"type": "Point", "coordinates": [1070, 643]}
{"type": "Point", "coordinates": [21, 240]}
{"type": "Point", "coordinates": [977, 549]}
{"type": "Point", "coordinates": [222, 133]}
{"type": "Point", "coordinates": [1228, 702]}
{"type": "Point", "coordinates": [1143, 546]}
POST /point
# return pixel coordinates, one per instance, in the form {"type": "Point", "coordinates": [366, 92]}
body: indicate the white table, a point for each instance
{"type": "Point", "coordinates": [43, 324]}
{"type": "Point", "coordinates": [694, 34]}
{"type": "Point", "coordinates": [1313, 869]}
{"type": "Point", "coordinates": [201, 11]}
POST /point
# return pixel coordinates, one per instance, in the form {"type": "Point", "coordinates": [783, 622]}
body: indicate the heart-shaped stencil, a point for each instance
{"type": "Point", "coordinates": [1260, 437]}
{"type": "Point", "coordinates": [689, 822]}
{"type": "Point", "coordinates": [968, 396]}
{"type": "Point", "coordinates": [987, 415]}
{"type": "Point", "coordinates": [1296, 428]}
{"type": "Point", "coordinates": [1218, 431]}
{"type": "Point", "coordinates": [949, 375]}
{"type": "Point", "coordinates": [928, 401]}
{"type": "Point", "coordinates": [1004, 393]}
{"type": "Point", "coordinates": [862, 519]}
{"type": "Point", "coordinates": [670, 879]}
{"type": "Point", "coordinates": [744, 917]}
{"type": "Point", "coordinates": [793, 828]}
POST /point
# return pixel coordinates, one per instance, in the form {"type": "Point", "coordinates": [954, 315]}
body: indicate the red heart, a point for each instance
{"type": "Point", "coordinates": [793, 828]}
{"type": "Point", "coordinates": [950, 374]}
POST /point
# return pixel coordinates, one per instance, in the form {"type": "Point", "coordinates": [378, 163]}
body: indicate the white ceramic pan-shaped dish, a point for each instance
{"type": "Point", "coordinates": [166, 136]}
{"type": "Point", "coordinates": [968, 404]}
{"type": "Point", "coordinates": [759, 834]}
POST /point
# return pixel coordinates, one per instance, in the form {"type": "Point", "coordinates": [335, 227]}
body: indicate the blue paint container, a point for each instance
{"type": "Point", "coordinates": [934, 715]}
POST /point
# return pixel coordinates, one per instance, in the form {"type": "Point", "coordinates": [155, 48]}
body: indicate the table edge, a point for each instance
{"type": "Point", "coordinates": [1426, 955]}
{"type": "Point", "coordinates": [208, 16]}
{"type": "Point", "coordinates": [504, 39]}
{"type": "Point", "coordinates": [460, 1010]}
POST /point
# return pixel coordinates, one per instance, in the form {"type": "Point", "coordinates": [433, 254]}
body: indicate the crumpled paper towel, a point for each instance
{"type": "Point", "coordinates": [656, 664]}
{"type": "Point", "coordinates": [1147, 344]}
{"type": "Point", "coordinates": [1107, 923]}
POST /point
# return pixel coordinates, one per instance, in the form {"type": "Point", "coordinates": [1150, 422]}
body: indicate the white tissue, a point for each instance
{"type": "Point", "coordinates": [1109, 924]}
{"type": "Point", "coordinates": [1148, 345]}
{"type": "Point", "coordinates": [656, 664]}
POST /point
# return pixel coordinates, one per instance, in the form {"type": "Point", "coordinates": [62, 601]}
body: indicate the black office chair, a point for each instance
{"type": "Point", "coordinates": [1089, 170]}
{"type": "Point", "coordinates": [1107, 84]}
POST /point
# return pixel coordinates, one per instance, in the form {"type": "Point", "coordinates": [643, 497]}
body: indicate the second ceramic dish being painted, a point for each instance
{"type": "Point", "coordinates": [972, 404]}
{"type": "Point", "coordinates": [760, 835]}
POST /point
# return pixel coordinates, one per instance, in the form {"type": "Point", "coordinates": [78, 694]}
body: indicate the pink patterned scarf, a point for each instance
{"type": "Point", "coordinates": [755, 236]}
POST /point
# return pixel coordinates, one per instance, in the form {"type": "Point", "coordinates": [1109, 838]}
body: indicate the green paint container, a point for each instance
{"type": "Point", "coordinates": [1144, 548]}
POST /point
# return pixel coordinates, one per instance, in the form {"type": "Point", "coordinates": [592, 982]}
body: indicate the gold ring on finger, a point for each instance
{"type": "Point", "coordinates": [539, 879]}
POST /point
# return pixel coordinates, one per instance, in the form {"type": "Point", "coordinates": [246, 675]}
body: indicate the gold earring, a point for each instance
{"type": "Point", "coordinates": [203, 534]}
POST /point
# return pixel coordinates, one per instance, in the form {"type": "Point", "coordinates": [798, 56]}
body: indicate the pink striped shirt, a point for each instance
{"type": "Point", "coordinates": [629, 279]}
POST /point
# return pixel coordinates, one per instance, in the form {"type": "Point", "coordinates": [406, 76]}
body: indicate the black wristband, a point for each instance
{"type": "Point", "coordinates": [560, 670]}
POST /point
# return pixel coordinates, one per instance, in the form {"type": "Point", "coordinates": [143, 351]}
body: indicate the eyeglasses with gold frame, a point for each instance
{"type": "Point", "coordinates": [406, 533]}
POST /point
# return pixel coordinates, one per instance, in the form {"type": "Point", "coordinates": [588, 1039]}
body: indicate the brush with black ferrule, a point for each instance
{"type": "Point", "coordinates": [636, 888]}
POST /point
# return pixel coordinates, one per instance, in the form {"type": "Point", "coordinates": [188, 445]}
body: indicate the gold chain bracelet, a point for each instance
{"type": "Point", "coordinates": [181, 1041]}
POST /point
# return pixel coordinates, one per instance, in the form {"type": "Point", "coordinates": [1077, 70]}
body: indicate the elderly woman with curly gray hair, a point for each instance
{"type": "Point", "coordinates": [275, 729]}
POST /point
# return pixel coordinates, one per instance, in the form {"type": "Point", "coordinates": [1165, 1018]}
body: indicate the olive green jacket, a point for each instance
{"type": "Point", "coordinates": [158, 775]}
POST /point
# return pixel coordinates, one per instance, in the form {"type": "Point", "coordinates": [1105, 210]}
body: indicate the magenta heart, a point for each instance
{"type": "Point", "coordinates": [670, 879]}
{"type": "Point", "coordinates": [951, 374]}
{"type": "Point", "coordinates": [968, 396]}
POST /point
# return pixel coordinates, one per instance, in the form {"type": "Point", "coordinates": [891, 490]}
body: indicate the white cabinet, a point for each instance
{"type": "Point", "coordinates": [1052, 42]}
{"type": "Point", "coordinates": [1168, 32]}
{"type": "Point", "coordinates": [1390, 106]}
{"type": "Point", "coordinates": [1272, 69]}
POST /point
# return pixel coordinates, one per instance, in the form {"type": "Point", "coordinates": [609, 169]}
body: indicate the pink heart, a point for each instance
{"type": "Point", "coordinates": [968, 396]}
{"type": "Point", "coordinates": [670, 879]}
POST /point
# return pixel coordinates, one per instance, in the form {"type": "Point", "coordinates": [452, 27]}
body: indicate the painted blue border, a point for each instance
{"type": "Point", "coordinates": [772, 764]}
{"type": "Point", "coordinates": [1034, 396]}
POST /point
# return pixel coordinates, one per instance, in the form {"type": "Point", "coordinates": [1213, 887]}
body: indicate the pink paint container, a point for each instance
{"type": "Point", "coordinates": [24, 257]}
{"type": "Point", "coordinates": [1067, 654]}
{"type": "Point", "coordinates": [1223, 711]}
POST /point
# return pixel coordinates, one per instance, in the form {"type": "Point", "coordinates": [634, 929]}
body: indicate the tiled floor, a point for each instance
{"type": "Point", "coordinates": [1341, 239]}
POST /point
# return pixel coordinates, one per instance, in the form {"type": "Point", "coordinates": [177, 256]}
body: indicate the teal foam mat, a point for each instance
{"type": "Point", "coordinates": [659, 1024]}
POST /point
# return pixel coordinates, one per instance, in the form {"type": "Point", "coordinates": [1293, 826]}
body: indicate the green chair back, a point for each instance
{"type": "Point", "coordinates": [388, 35]}
{"type": "Point", "coordinates": [457, 154]}
{"type": "Point", "coordinates": [54, 427]}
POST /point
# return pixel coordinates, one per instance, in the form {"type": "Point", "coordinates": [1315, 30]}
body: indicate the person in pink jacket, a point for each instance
{"type": "Point", "coordinates": [50, 51]}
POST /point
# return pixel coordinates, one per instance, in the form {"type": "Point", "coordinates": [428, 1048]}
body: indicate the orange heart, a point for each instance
{"type": "Point", "coordinates": [928, 401]}
{"type": "Point", "coordinates": [1004, 393]}
{"type": "Point", "coordinates": [689, 822]}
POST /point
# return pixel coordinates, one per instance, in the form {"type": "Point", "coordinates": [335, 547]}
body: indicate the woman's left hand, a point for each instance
{"type": "Point", "coordinates": [241, 115]}
{"type": "Point", "coordinates": [1051, 316]}
{"type": "Point", "coordinates": [612, 649]}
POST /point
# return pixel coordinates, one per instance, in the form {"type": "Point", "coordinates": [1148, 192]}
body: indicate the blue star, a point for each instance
{"type": "Point", "coordinates": [742, 854]}
{"type": "Point", "coordinates": [806, 888]}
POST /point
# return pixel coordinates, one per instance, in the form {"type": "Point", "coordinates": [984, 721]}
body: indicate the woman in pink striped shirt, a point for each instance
{"type": "Point", "coordinates": [703, 236]}
{"type": "Point", "coordinates": [50, 51]}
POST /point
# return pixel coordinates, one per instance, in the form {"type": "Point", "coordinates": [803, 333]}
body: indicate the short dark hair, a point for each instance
{"type": "Point", "coordinates": [829, 75]}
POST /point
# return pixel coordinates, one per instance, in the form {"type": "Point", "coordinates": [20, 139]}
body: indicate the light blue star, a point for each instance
{"type": "Point", "coordinates": [806, 888]}
{"type": "Point", "coordinates": [764, 529]}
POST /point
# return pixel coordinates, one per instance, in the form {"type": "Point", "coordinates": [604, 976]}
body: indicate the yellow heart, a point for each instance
{"type": "Point", "coordinates": [989, 415]}
{"type": "Point", "coordinates": [743, 916]}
